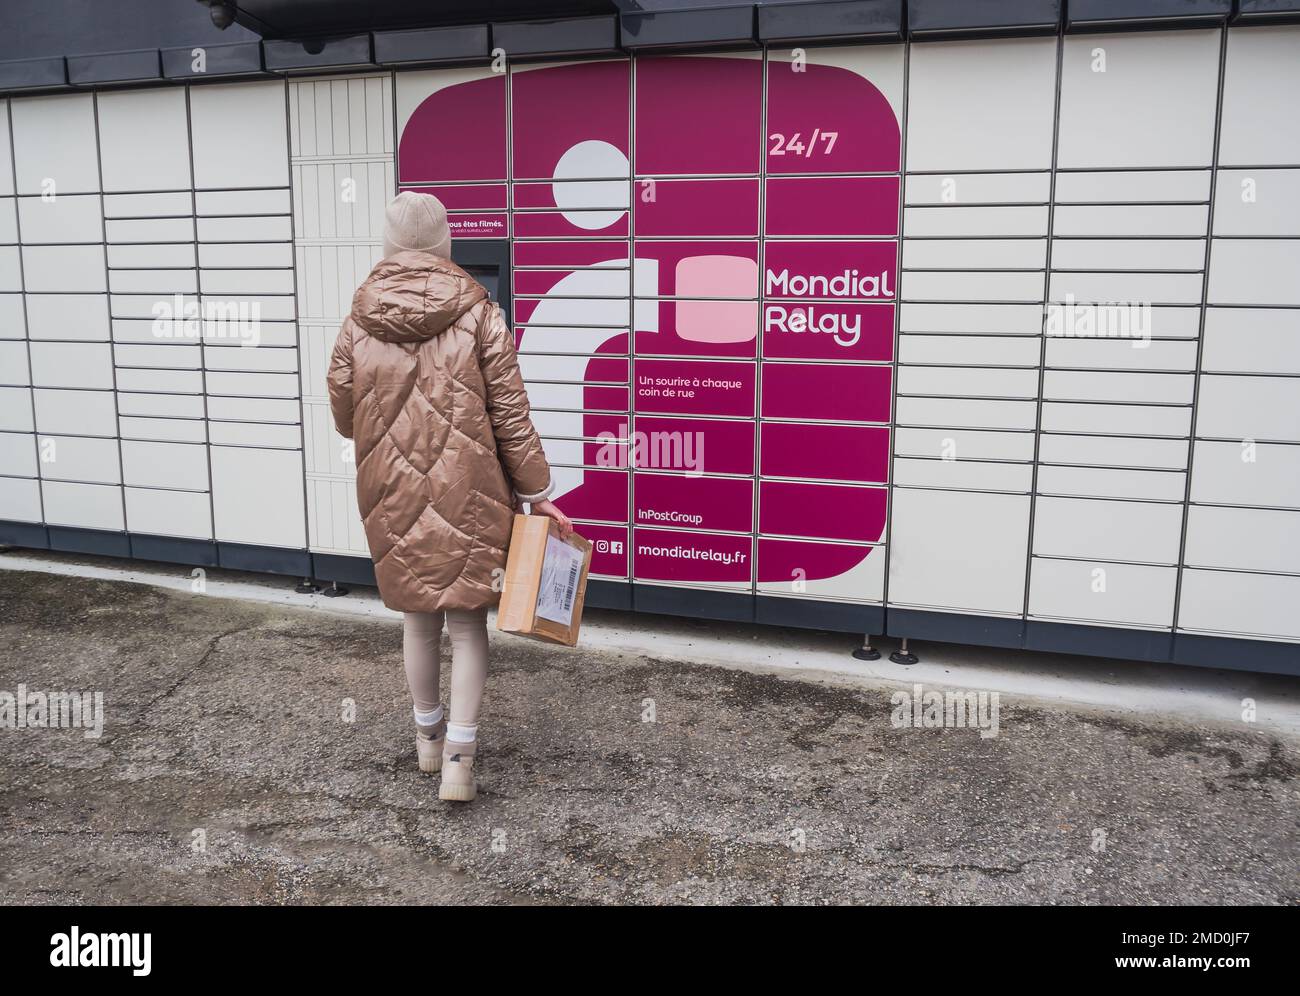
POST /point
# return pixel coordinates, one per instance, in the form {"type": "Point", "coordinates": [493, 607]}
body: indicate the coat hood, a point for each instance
{"type": "Point", "coordinates": [413, 296]}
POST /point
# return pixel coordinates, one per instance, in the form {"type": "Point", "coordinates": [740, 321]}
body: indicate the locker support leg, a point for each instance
{"type": "Point", "coordinates": [307, 587]}
{"type": "Point", "coordinates": [866, 652]}
{"type": "Point", "coordinates": [904, 656]}
{"type": "Point", "coordinates": [335, 590]}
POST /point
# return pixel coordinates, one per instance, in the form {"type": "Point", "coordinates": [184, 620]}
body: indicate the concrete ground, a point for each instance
{"type": "Point", "coordinates": [228, 771]}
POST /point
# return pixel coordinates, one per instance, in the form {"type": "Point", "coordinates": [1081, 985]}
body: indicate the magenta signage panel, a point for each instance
{"type": "Point", "coordinates": [843, 513]}
{"type": "Point", "coordinates": [570, 121]}
{"type": "Point", "coordinates": [785, 561]}
{"type": "Point", "coordinates": [706, 267]}
{"type": "Point", "coordinates": [828, 330]}
{"type": "Point", "coordinates": [724, 503]}
{"type": "Point", "coordinates": [685, 387]}
{"type": "Point", "coordinates": [561, 224]}
{"type": "Point", "coordinates": [851, 271]}
{"type": "Point", "coordinates": [570, 253]}
{"type": "Point", "coordinates": [467, 196]}
{"type": "Point", "coordinates": [828, 119]}
{"type": "Point", "coordinates": [603, 494]}
{"type": "Point", "coordinates": [609, 548]}
{"type": "Point", "coordinates": [724, 208]}
{"type": "Point", "coordinates": [478, 225]}
{"type": "Point", "coordinates": [697, 269]}
{"type": "Point", "coordinates": [825, 452]}
{"type": "Point", "coordinates": [474, 112]}
{"type": "Point", "coordinates": [839, 392]}
{"type": "Point", "coordinates": [832, 205]}
{"type": "Point", "coordinates": [707, 558]}
{"type": "Point", "coordinates": [698, 115]}
{"type": "Point", "coordinates": [701, 328]}
{"type": "Point", "coordinates": [705, 446]}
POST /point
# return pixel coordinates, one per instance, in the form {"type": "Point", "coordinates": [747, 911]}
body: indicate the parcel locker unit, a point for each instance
{"type": "Point", "coordinates": [987, 339]}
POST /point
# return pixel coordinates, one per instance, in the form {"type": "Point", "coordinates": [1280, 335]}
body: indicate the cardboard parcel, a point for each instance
{"type": "Point", "coordinates": [546, 582]}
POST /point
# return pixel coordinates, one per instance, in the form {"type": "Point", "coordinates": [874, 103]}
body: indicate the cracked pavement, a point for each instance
{"type": "Point", "coordinates": [228, 773]}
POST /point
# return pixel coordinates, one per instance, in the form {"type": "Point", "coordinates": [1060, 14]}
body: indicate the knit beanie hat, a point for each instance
{"type": "Point", "coordinates": [416, 221]}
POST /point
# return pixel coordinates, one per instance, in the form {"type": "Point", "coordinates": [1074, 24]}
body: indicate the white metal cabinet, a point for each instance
{"type": "Point", "coordinates": [968, 350]}
{"type": "Point", "coordinates": [1248, 539]}
{"type": "Point", "coordinates": [971, 475]}
{"type": "Point", "coordinates": [257, 496]}
{"type": "Point", "coordinates": [59, 269]}
{"type": "Point", "coordinates": [72, 364]}
{"type": "Point", "coordinates": [1113, 451]}
{"type": "Point", "coordinates": [75, 413]}
{"type": "Point", "coordinates": [964, 444]}
{"type": "Point", "coordinates": [965, 412]}
{"type": "Point", "coordinates": [20, 499]}
{"type": "Point", "coordinates": [16, 409]}
{"type": "Point", "coordinates": [1173, 355]}
{"type": "Point", "coordinates": [958, 550]}
{"type": "Point", "coordinates": [1091, 591]}
{"type": "Point", "coordinates": [1261, 79]}
{"type": "Point", "coordinates": [87, 506]}
{"type": "Point", "coordinates": [1255, 271]}
{"type": "Point", "coordinates": [1116, 254]}
{"type": "Point", "coordinates": [958, 254]}
{"type": "Point", "coordinates": [1252, 340]}
{"type": "Point", "coordinates": [187, 514]}
{"type": "Point", "coordinates": [967, 382]}
{"type": "Point", "coordinates": [12, 324]}
{"type": "Point", "coordinates": [1257, 202]}
{"type": "Point", "coordinates": [1246, 473]}
{"type": "Point", "coordinates": [138, 133]}
{"type": "Point", "coordinates": [54, 144]}
{"type": "Point", "coordinates": [1116, 420]}
{"type": "Point", "coordinates": [79, 317]}
{"type": "Point", "coordinates": [154, 204]}
{"type": "Point", "coordinates": [1150, 103]}
{"type": "Point", "coordinates": [1122, 386]}
{"type": "Point", "coordinates": [1248, 408]}
{"type": "Point", "coordinates": [17, 454]}
{"type": "Point", "coordinates": [13, 363]}
{"type": "Point", "coordinates": [165, 465]}
{"type": "Point", "coordinates": [981, 105]}
{"type": "Point", "coordinates": [92, 460]}
{"type": "Point", "coordinates": [1132, 531]}
{"type": "Point", "coordinates": [239, 135]}
{"type": "Point", "coordinates": [1112, 482]}
{"type": "Point", "coordinates": [61, 220]}
{"type": "Point", "coordinates": [1250, 605]}
{"type": "Point", "coordinates": [11, 269]}
{"type": "Point", "coordinates": [1163, 186]}
{"type": "Point", "coordinates": [954, 285]}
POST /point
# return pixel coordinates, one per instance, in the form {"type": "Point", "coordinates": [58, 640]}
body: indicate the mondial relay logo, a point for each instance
{"type": "Point", "coordinates": [845, 329]}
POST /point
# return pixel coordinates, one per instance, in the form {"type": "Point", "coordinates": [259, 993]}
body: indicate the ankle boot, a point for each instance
{"type": "Point", "coordinates": [429, 746]}
{"type": "Point", "coordinates": [458, 783]}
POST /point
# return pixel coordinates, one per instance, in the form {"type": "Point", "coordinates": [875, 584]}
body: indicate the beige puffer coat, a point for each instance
{"type": "Point", "coordinates": [425, 379]}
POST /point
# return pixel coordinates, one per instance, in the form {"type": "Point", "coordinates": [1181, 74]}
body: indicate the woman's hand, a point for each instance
{"type": "Point", "coordinates": [548, 509]}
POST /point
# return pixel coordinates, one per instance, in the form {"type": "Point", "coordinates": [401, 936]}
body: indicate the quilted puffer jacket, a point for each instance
{"type": "Point", "coordinates": [425, 379]}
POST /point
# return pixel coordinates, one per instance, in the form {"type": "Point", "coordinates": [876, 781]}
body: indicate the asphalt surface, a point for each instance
{"type": "Point", "coordinates": [232, 769]}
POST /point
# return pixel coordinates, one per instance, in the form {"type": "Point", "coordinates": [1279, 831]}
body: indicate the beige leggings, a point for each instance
{"type": "Point", "coordinates": [421, 634]}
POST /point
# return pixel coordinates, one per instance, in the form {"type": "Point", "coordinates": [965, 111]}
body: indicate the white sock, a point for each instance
{"type": "Point", "coordinates": [462, 733]}
{"type": "Point", "coordinates": [428, 719]}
